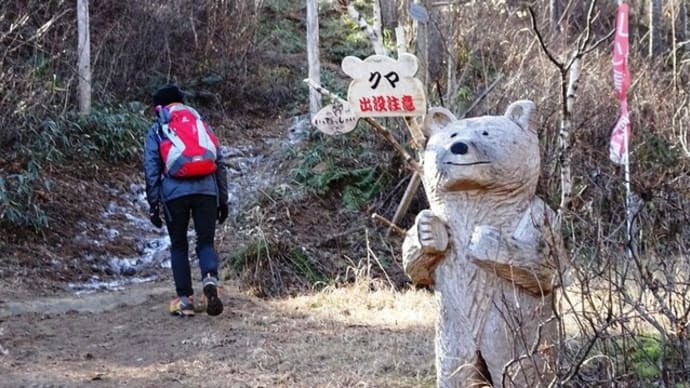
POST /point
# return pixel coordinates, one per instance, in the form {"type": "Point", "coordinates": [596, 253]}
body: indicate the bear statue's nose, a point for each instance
{"type": "Point", "coordinates": [459, 148]}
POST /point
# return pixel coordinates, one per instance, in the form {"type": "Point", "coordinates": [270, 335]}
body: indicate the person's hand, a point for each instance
{"type": "Point", "coordinates": [222, 212]}
{"type": "Point", "coordinates": [155, 217]}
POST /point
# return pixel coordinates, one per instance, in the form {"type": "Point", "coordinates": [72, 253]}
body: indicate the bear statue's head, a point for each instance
{"type": "Point", "coordinates": [488, 154]}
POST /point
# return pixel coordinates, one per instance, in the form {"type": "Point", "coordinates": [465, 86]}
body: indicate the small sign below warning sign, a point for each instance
{"type": "Point", "coordinates": [335, 119]}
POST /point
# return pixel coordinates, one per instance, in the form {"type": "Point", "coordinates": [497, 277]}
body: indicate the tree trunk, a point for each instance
{"type": "Point", "coordinates": [656, 45]}
{"type": "Point", "coordinates": [376, 23]}
{"type": "Point", "coordinates": [683, 28]}
{"type": "Point", "coordinates": [436, 51]}
{"type": "Point", "coordinates": [570, 79]}
{"type": "Point", "coordinates": [556, 11]}
{"type": "Point", "coordinates": [374, 34]}
{"type": "Point", "coordinates": [389, 14]}
{"type": "Point", "coordinates": [313, 54]}
{"type": "Point", "coordinates": [422, 49]}
{"type": "Point", "coordinates": [451, 68]}
{"type": "Point", "coordinates": [84, 60]}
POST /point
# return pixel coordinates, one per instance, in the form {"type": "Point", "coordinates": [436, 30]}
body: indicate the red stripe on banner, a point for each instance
{"type": "Point", "coordinates": [618, 152]}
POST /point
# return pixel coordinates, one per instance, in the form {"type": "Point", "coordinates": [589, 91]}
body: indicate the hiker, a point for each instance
{"type": "Point", "coordinates": [180, 184]}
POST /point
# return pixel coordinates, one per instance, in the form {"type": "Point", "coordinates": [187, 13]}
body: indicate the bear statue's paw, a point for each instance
{"type": "Point", "coordinates": [432, 232]}
{"type": "Point", "coordinates": [515, 261]}
{"type": "Point", "coordinates": [421, 269]}
{"type": "Point", "coordinates": [485, 243]}
{"type": "Point", "coordinates": [537, 282]}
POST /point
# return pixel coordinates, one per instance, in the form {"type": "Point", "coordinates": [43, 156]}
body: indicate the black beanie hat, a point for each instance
{"type": "Point", "coordinates": [167, 95]}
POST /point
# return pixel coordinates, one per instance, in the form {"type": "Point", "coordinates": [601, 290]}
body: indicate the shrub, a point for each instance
{"type": "Point", "coordinates": [19, 197]}
{"type": "Point", "coordinates": [330, 165]}
{"type": "Point", "coordinates": [107, 135]}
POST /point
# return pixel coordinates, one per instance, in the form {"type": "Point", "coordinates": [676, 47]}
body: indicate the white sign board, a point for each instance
{"type": "Point", "coordinates": [335, 119]}
{"type": "Point", "coordinates": [384, 87]}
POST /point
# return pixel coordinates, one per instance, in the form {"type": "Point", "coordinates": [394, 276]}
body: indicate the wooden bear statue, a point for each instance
{"type": "Point", "coordinates": [490, 247]}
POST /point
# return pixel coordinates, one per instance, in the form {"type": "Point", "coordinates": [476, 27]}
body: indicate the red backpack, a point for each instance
{"type": "Point", "coordinates": [187, 145]}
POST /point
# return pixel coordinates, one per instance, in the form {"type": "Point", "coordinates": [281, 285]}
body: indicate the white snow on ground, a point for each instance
{"type": "Point", "coordinates": [250, 169]}
{"type": "Point", "coordinates": [3, 351]}
{"type": "Point", "coordinates": [152, 244]}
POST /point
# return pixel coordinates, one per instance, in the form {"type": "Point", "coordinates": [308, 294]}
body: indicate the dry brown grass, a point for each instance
{"type": "Point", "coordinates": [358, 304]}
{"type": "Point", "coordinates": [382, 337]}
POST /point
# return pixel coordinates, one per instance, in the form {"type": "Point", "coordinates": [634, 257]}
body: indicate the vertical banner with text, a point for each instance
{"type": "Point", "coordinates": [620, 137]}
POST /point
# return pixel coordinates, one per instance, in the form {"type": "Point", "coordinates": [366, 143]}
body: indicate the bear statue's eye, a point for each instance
{"type": "Point", "coordinates": [453, 135]}
{"type": "Point", "coordinates": [485, 133]}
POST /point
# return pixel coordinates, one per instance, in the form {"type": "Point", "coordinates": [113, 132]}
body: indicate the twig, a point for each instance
{"type": "Point", "coordinates": [482, 96]}
{"type": "Point", "coordinates": [410, 192]}
{"type": "Point", "coordinates": [599, 42]}
{"type": "Point", "coordinates": [540, 38]}
{"type": "Point", "coordinates": [371, 252]}
{"type": "Point", "coordinates": [268, 196]}
{"type": "Point", "coordinates": [336, 236]}
{"type": "Point", "coordinates": [389, 224]}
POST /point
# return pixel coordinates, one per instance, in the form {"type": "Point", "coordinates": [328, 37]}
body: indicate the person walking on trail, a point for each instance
{"type": "Point", "coordinates": [185, 176]}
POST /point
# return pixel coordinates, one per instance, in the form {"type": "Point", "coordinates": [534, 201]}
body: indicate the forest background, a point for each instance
{"type": "Point", "coordinates": [243, 63]}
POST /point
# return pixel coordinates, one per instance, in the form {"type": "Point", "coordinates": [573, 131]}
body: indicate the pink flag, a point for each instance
{"type": "Point", "coordinates": [618, 151]}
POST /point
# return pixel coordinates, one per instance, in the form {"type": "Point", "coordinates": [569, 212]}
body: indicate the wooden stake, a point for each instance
{"type": "Point", "coordinates": [418, 140]}
{"type": "Point", "coordinates": [410, 192]}
{"type": "Point", "coordinates": [390, 225]}
{"type": "Point", "coordinates": [313, 53]}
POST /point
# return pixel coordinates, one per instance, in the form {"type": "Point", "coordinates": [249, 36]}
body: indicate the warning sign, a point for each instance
{"type": "Point", "coordinates": [384, 87]}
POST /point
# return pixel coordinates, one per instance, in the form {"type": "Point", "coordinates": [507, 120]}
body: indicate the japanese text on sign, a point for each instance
{"type": "Point", "coordinates": [335, 119]}
{"type": "Point", "coordinates": [383, 86]}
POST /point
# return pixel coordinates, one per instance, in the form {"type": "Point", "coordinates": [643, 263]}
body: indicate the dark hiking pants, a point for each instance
{"type": "Point", "coordinates": [204, 210]}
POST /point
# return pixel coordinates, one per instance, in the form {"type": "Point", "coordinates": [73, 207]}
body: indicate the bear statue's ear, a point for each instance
{"type": "Point", "coordinates": [435, 119]}
{"type": "Point", "coordinates": [520, 113]}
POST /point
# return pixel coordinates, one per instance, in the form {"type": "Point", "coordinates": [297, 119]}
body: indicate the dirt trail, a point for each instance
{"type": "Point", "coordinates": [126, 338]}
{"type": "Point", "coordinates": [88, 303]}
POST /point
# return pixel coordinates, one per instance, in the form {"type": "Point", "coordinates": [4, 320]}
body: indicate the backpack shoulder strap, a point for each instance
{"type": "Point", "coordinates": [159, 131]}
{"type": "Point", "coordinates": [163, 114]}
{"type": "Point", "coordinates": [164, 117]}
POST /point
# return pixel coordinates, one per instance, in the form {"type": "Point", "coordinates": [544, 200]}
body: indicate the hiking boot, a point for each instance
{"type": "Point", "coordinates": [214, 306]}
{"type": "Point", "coordinates": [182, 306]}
{"type": "Point", "coordinates": [199, 304]}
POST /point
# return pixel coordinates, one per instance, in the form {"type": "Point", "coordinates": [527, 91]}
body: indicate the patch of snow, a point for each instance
{"type": "Point", "coordinates": [112, 234]}
{"type": "Point", "coordinates": [3, 351]}
{"type": "Point", "coordinates": [151, 243]}
{"type": "Point", "coordinates": [95, 284]}
{"type": "Point", "coordinates": [299, 130]}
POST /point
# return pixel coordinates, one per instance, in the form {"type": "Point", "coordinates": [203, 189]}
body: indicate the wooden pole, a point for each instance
{"type": "Point", "coordinates": [391, 226]}
{"type": "Point", "coordinates": [313, 54]}
{"type": "Point", "coordinates": [422, 50]}
{"type": "Point", "coordinates": [410, 192]}
{"type": "Point", "coordinates": [418, 139]}
{"type": "Point", "coordinates": [84, 59]}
